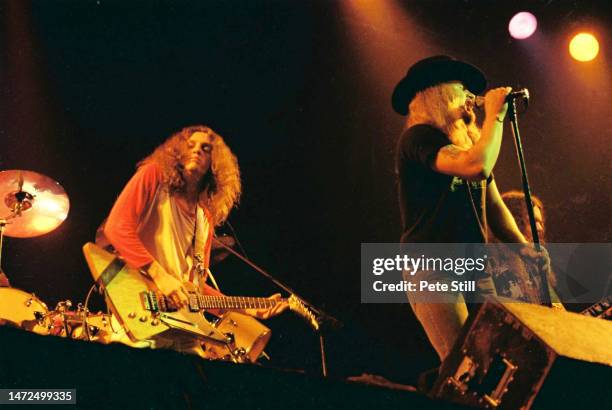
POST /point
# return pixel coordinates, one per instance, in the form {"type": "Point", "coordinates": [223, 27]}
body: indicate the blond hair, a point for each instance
{"type": "Point", "coordinates": [430, 106]}
{"type": "Point", "coordinates": [219, 189]}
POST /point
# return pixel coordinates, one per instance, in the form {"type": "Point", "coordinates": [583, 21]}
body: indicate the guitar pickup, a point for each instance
{"type": "Point", "coordinates": [154, 304]}
{"type": "Point", "coordinates": [149, 300]}
{"type": "Point", "coordinates": [144, 297]}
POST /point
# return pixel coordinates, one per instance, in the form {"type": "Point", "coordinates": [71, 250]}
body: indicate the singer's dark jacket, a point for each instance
{"type": "Point", "coordinates": [436, 208]}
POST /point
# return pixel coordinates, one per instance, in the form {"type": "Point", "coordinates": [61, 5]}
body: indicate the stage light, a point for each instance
{"type": "Point", "coordinates": [584, 47]}
{"type": "Point", "coordinates": [522, 25]}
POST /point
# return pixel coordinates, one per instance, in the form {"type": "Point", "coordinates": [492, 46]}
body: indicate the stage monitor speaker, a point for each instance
{"type": "Point", "coordinates": [519, 356]}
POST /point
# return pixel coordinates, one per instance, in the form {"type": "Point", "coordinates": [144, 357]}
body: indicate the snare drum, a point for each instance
{"type": "Point", "coordinates": [249, 337]}
{"type": "Point", "coordinates": [23, 310]}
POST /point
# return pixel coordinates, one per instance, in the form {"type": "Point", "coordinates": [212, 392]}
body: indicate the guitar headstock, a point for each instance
{"type": "Point", "coordinates": [601, 309]}
{"type": "Point", "coordinates": [299, 307]}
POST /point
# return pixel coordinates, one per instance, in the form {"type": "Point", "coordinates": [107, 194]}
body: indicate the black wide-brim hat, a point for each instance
{"type": "Point", "coordinates": [432, 71]}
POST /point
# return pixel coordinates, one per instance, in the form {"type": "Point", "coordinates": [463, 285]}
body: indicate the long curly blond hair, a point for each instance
{"type": "Point", "coordinates": [430, 106]}
{"type": "Point", "coordinates": [219, 190]}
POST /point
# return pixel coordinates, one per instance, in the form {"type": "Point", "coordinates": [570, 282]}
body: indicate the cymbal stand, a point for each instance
{"type": "Point", "coordinates": [3, 223]}
{"type": "Point", "coordinates": [17, 202]}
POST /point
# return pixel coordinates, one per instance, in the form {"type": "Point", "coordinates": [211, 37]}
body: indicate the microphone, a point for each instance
{"type": "Point", "coordinates": [522, 93]}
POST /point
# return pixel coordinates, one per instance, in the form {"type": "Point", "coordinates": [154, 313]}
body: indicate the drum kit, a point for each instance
{"type": "Point", "coordinates": [24, 310]}
{"type": "Point", "coordinates": [31, 205]}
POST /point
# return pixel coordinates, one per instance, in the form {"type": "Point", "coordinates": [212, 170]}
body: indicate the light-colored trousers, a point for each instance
{"type": "Point", "coordinates": [443, 320]}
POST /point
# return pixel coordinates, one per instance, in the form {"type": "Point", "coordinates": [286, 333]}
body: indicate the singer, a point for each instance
{"type": "Point", "coordinates": [444, 166]}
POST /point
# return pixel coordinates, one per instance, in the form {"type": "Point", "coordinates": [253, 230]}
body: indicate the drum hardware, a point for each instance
{"type": "Point", "coordinates": [3, 223]}
{"type": "Point", "coordinates": [24, 310]}
{"type": "Point", "coordinates": [230, 337]}
{"type": "Point", "coordinates": [246, 339]}
{"type": "Point", "coordinates": [62, 309]}
{"type": "Point", "coordinates": [78, 324]}
{"type": "Point", "coordinates": [239, 352]}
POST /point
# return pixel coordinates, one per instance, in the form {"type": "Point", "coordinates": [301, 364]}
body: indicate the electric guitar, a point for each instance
{"type": "Point", "coordinates": [146, 313]}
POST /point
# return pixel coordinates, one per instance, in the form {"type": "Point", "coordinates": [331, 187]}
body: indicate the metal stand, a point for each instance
{"type": "Point", "coordinates": [323, 361]}
{"type": "Point", "coordinates": [325, 321]}
{"type": "Point", "coordinates": [3, 223]}
{"type": "Point", "coordinates": [545, 293]}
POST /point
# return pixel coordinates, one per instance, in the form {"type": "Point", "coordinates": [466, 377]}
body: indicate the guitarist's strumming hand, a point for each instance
{"type": "Point", "coordinates": [168, 285]}
{"type": "Point", "coordinates": [179, 298]}
{"type": "Point", "coordinates": [266, 313]}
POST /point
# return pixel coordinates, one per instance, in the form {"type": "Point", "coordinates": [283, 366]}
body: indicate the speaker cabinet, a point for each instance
{"type": "Point", "coordinates": [518, 356]}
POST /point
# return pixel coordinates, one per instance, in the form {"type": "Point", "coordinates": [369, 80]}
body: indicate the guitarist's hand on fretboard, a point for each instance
{"type": "Point", "coordinates": [266, 313]}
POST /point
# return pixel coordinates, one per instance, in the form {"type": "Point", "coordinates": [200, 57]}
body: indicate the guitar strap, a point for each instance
{"type": "Point", "coordinates": [199, 248]}
{"type": "Point", "coordinates": [111, 271]}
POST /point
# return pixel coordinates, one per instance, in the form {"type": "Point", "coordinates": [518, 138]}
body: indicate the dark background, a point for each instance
{"type": "Point", "coordinates": [300, 91]}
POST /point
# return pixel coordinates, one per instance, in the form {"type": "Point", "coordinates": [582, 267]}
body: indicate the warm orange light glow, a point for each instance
{"type": "Point", "coordinates": [584, 47]}
{"type": "Point", "coordinates": [385, 39]}
{"type": "Point", "coordinates": [44, 224]}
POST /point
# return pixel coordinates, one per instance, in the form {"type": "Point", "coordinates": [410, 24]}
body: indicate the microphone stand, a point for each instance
{"type": "Point", "coordinates": [324, 320]}
{"type": "Point", "coordinates": [545, 293]}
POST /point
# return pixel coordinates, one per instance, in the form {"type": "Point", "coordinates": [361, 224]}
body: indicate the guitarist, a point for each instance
{"type": "Point", "coordinates": [516, 277]}
{"type": "Point", "coordinates": [163, 220]}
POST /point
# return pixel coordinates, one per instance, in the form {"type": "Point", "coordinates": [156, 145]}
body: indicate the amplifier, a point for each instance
{"type": "Point", "coordinates": [515, 355]}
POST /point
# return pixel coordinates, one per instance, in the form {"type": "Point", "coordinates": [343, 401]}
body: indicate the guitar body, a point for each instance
{"type": "Point", "coordinates": [146, 315]}
{"type": "Point", "coordinates": [125, 289]}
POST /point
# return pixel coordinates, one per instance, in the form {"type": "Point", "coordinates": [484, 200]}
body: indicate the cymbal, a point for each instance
{"type": "Point", "coordinates": [32, 204]}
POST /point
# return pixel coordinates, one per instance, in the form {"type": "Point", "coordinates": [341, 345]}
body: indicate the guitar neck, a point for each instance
{"type": "Point", "coordinates": [235, 302]}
